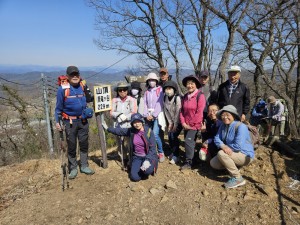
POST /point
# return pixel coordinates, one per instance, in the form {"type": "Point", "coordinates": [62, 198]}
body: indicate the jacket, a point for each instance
{"type": "Point", "coordinates": [172, 107]}
{"type": "Point", "coordinates": [73, 105]}
{"type": "Point", "coordinates": [191, 111]}
{"type": "Point", "coordinates": [153, 101]}
{"type": "Point", "coordinates": [240, 98]}
{"type": "Point", "coordinates": [128, 106]}
{"type": "Point", "coordinates": [276, 111]}
{"type": "Point", "coordinates": [150, 142]}
{"type": "Point", "coordinates": [239, 140]}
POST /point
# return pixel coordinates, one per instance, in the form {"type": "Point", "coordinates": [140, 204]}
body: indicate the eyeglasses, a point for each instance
{"type": "Point", "coordinates": [74, 74]}
{"type": "Point", "coordinates": [122, 89]}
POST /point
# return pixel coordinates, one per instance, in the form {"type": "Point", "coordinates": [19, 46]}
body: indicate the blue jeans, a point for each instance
{"type": "Point", "coordinates": [136, 174]}
{"type": "Point", "coordinates": [155, 127]}
{"type": "Point", "coordinates": [174, 141]}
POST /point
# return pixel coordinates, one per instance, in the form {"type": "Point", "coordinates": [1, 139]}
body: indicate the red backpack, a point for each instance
{"type": "Point", "coordinates": [62, 81]}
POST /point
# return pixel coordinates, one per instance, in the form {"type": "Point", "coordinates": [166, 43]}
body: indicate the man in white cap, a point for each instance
{"type": "Point", "coordinates": [234, 92]}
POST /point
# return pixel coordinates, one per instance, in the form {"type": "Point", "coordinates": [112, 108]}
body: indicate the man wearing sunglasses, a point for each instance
{"type": "Point", "coordinates": [71, 103]}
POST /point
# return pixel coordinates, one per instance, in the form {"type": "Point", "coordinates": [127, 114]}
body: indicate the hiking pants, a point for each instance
{"type": "Point", "coordinates": [174, 141]}
{"type": "Point", "coordinates": [136, 174]}
{"type": "Point", "coordinates": [230, 162]}
{"type": "Point", "coordinates": [190, 137]}
{"type": "Point", "coordinates": [77, 130]}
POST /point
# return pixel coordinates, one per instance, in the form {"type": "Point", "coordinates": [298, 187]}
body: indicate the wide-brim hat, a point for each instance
{"type": "Point", "coordinates": [193, 78]}
{"type": "Point", "coordinates": [171, 84]}
{"type": "Point", "coordinates": [121, 85]}
{"type": "Point", "coordinates": [135, 117]}
{"type": "Point", "coordinates": [231, 109]}
{"type": "Point", "coordinates": [152, 76]}
{"type": "Point", "coordinates": [135, 85]}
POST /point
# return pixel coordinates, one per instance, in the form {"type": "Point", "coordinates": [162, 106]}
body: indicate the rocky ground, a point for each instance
{"type": "Point", "coordinates": [31, 193]}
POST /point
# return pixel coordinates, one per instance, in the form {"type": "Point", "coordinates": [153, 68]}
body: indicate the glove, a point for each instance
{"type": "Point", "coordinates": [123, 117]}
{"type": "Point", "coordinates": [146, 165]}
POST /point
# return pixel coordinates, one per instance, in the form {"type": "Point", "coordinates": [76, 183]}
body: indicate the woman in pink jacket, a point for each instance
{"type": "Point", "coordinates": [191, 116]}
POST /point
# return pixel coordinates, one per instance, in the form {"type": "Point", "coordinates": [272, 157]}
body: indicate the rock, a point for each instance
{"type": "Point", "coordinates": [164, 199]}
{"type": "Point", "coordinates": [268, 190]}
{"type": "Point", "coordinates": [205, 193]}
{"type": "Point", "coordinates": [109, 216]}
{"type": "Point", "coordinates": [171, 185]}
{"type": "Point", "coordinates": [80, 221]}
{"type": "Point", "coordinates": [230, 199]}
{"type": "Point", "coordinates": [153, 191]}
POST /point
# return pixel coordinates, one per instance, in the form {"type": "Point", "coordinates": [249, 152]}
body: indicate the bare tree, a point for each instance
{"type": "Point", "coordinates": [232, 14]}
{"type": "Point", "coordinates": [270, 37]}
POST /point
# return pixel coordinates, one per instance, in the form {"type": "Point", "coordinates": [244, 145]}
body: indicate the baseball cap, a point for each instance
{"type": "Point", "coordinates": [204, 73]}
{"type": "Point", "coordinates": [163, 69]}
{"type": "Point", "coordinates": [72, 69]}
{"type": "Point", "coordinates": [234, 69]}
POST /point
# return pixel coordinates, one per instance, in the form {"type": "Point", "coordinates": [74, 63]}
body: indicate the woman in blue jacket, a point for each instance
{"type": "Point", "coordinates": [235, 147]}
{"type": "Point", "coordinates": [142, 147]}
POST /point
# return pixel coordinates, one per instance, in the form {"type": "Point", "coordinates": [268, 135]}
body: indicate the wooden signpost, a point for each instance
{"type": "Point", "coordinates": [102, 102]}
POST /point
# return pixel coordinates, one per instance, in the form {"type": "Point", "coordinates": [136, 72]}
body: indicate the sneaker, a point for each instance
{"type": "Point", "coordinates": [187, 166]}
{"type": "Point", "coordinates": [73, 174]}
{"type": "Point", "coordinates": [174, 160]}
{"type": "Point", "coordinates": [161, 157]}
{"type": "Point", "coordinates": [203, 154]}
{"type": "Point", "coordinates": [87, 170]}
{"type": "Point", "coordinates": [235, 182]}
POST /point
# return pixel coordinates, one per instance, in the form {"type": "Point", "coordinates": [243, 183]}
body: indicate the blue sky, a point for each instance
{"type": "Point", "coordinates": [51, 33]}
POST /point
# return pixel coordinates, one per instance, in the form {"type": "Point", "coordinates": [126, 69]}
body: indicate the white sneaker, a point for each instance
{"type": "Point", "coordinates": [174, 160]}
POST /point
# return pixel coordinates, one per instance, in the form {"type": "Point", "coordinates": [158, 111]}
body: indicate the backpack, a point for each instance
{"type": "Point", "coordinates": [64, 83]}
{"type": "Point", "coordinates": [285, 111]}
{"type": "Point", "coordinates": [254, 134]}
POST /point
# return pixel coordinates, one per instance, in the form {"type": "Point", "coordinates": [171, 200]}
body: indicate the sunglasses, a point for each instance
{"type": "Point", "coordinates": [122, 89]}
{"type": "Point", "coordinates": [74, 74]}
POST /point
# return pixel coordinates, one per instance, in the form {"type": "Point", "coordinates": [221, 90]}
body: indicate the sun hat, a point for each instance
{"type": "Point", "coordinates": [193, 78]}
{"type": "Point", "coordinates": [136, 116]}
{"type": "Point", "coordinates": [121, 85]}
{"type": "Point", "coordinates": [152, 76]}
{"type": "Point", "coordinates": [135, 85]}
{"type": "Point", "coordinates": [172, 84]}
{"type": "Point", "coordinates": [235, 69]}
{"type": "Point", "coordinates": [228, 108]}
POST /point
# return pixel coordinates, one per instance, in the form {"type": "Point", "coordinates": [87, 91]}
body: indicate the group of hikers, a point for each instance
{"type": "Point", "coordinates": [140, 120]}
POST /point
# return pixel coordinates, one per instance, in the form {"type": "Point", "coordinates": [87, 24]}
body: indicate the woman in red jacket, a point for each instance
{"type": "Point", "coordinates": [191, 116]}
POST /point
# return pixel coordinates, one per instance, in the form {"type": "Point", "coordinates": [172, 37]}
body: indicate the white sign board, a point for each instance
{"type": "Point", "coordinates": [102, 98]}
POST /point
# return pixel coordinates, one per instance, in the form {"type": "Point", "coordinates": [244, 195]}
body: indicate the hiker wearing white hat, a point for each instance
{"type": "Point", "coordinates": [234, 92]}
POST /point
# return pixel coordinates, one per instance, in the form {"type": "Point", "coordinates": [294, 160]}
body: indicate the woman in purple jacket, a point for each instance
{"type": "Point", "coordinates": [142, 147]}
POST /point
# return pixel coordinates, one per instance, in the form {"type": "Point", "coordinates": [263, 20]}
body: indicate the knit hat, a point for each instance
{"type": "Point", "coordinates": [231, 109]}
{"type": "Point", "coordinates": [136, 116]}
{"type": "Point", "coordinates": [193, 78]}
{"type": "Point", "coordinates": [271, 99]}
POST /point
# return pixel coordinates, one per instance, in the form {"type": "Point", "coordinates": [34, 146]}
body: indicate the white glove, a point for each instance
{"type": "Point", "coordinates": [146, 165]}
{"type": "Point", "coordinates": [104, 125]}
{"type": "Point", "coordinates": [123, 117]}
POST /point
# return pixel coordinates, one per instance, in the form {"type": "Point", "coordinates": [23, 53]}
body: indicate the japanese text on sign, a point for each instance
{"type": "Point", "coordinates": [102, 96]}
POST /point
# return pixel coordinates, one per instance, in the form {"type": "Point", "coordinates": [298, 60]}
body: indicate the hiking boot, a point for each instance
{"type": "Point", "coordinates": [87, 170]}
{"type": "Point", "coordinates": [161, 157]}
{"type": "Point", "coordinates": [73, 174]}
{"type": "Point", "coordinates": [174, 160]}
{"type": "Point", "coordinates": [187, 166]}
{"type": "Point", "coordinates": [234, 182]}
{"type": "Point", "coordinates": [203, 154]}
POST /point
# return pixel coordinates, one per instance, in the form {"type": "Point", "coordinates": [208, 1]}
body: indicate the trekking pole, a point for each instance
{"type": "Point", "coordinates": [63, 152]}
{"type": "Point", "coordinates": [122, 151]}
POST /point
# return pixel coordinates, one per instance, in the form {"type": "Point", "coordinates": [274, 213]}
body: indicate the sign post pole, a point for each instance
{"type": "Point", "coordinates": [102, 102]}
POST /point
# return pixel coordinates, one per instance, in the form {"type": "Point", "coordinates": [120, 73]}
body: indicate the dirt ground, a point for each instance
{"type": "Point", "coordinates": [31, 193]}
